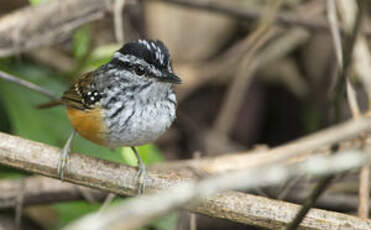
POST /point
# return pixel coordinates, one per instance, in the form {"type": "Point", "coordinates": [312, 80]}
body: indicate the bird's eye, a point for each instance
{"type": "Point", "coordinates": [139, 70]}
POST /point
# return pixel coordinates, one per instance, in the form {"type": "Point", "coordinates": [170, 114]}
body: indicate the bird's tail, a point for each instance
{"type": "Point", "coordinates": [49, 104]}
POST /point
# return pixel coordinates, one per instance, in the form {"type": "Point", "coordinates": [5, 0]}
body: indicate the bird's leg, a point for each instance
{"type": "Point", "coordinates": [63, 160]}
{"type": "Point", "coordinates": [141, 174]}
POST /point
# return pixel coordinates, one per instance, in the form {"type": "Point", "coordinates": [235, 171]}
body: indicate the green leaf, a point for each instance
{"type": "Point", "coordinates": [149, 154]}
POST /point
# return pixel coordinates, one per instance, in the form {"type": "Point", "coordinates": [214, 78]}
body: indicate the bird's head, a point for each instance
{"type": "Point", "coordinates": [148, 60]}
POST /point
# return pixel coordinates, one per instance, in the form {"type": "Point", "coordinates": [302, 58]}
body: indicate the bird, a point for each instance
{"type": "Point", "coordinates": [128, 101]}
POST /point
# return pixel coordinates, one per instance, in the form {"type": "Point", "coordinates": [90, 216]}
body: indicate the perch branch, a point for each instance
{"type": "Point", "coordinates": [118, 178]}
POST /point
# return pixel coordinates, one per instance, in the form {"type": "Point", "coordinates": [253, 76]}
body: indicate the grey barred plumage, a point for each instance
{"type": "Point", "coordinates": [138, 105]}
{"type": "Point", "coordinates": [128, 101]}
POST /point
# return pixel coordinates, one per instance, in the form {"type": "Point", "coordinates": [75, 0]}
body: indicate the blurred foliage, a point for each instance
{"type": "Point", "coordinates": [100, 55]}
{"type": "Point", "coordinates": [149, 153]}
{"type": "Point", "coordinates": [37, 2]}
{"type": "Point", "coordinates": [71, 211]}
{"type": "Point", "coordinates": [19, 116]}
{"type": "Point", "coordinates": [81, 42]}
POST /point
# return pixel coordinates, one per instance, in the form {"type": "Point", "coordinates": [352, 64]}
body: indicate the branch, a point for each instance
{"type": "Point", "coordinates": [139, 211]}
{"type": "Point", "coordinates": [294, 151]}
{"type": "Point", "coordinates": [243, 13]}
{"type": "Point", "coordinates": [118, 8]}
{"type": "Point", "coordinates": [310, 201]}
{"type": "Point", "coordinates": [344, 63]}
{"type": "Point", "coordinates": [32, 27]}
{"type": "Point", "coordinates": [351, 14]}
{"type": "Point", "coordinates": [330, 201]}
{"type": "Point", "coordinates": [41, 158]}
{"type": "Point", "coordinates": [47, 190]}
{"type": "Point", "coordinates": [43, 190]}
{"type": "Point", "coordinates": [120, 179]}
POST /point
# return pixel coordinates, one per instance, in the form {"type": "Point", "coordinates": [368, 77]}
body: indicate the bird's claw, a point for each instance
{"type": "Point", "coordinates": [140, 178]}
{"type": "Point", "coordinates": [63, 160]}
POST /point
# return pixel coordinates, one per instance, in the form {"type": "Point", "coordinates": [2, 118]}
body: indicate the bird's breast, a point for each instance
{"type": "Point", "coordinates": [134, 123]}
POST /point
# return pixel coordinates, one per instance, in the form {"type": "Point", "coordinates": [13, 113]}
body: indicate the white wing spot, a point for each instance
{"type": "Point", "coordinates": [172, 97]}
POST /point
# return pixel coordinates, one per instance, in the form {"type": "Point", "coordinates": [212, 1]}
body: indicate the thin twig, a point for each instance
{"type": "Point", "coordinates": [107, 201]}
{"type": "Point", "coordinates": [310, 201]}
{"type": "Point", "coordinates": [364, 191]}
{"type": "Point", "coordinates": [334, 27]}
{"type": "Point", "coordinates": [19, 205]}
{"type": "Point", "coordinates": [347, 57]}
{"type": "Point", "coordinates": [192, 221]}
{"type": "Point", "coordinates": [118, 8]}
{"type": "Point", "coordinates": [344, 202]}
{"type": "Point", "coordinates": [288, 187]}
{"type": "Point", "coordinates": [335, 32]}
{"type": "Point", "coordinates": [28, 85]}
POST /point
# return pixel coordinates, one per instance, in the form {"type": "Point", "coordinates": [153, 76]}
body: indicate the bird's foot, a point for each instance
{"type": "Point", "coordinates": [140, 178]}
{"type": "Point", "coordinates": [63, 160]}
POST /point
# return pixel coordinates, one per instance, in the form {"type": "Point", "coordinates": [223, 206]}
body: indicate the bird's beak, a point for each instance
{"type": "Point", "coordinates": [172, 78]}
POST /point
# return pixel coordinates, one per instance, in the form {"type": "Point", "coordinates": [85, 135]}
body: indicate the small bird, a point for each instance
{"type": "Point", "coordinates": [128, 101]}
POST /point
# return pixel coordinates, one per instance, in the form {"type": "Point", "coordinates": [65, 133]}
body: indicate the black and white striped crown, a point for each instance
{"type": "Point", "coordinates": [154, 52]}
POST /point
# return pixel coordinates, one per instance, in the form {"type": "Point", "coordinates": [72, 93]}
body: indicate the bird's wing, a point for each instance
{"type": "Point", "coordinates": [75, 96]}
